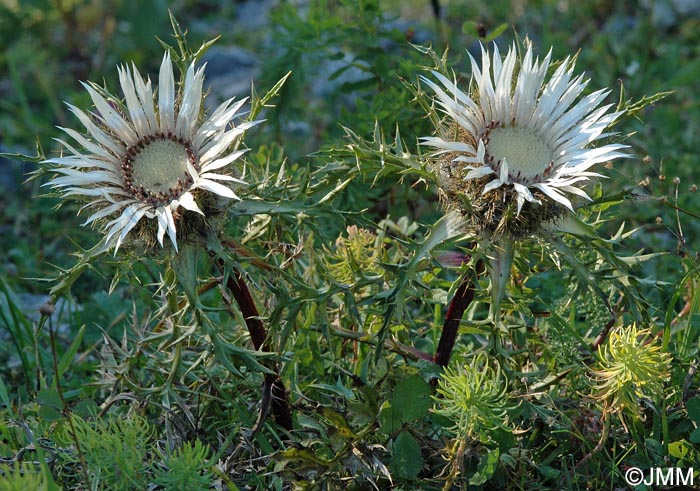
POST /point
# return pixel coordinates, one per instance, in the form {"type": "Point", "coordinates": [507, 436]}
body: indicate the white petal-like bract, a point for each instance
{"type": "Point", "coordinates": [521, 131]}
{"type": "Point", "coordinates": [149, 155]}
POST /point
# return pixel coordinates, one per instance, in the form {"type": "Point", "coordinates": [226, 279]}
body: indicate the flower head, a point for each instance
{"type": "Point", "coordinates": [632, 367]}
{"type": "Point", "coordinates": [149, 155]}
{"type": "Point", "coordinates": [515, 150]}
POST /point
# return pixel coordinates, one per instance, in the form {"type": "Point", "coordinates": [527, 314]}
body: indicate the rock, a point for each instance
{"type": "Point", "coordinates": [229, 73]}
{"type": "Point", "coordinates": [666, 14]}
{"type": "Point", "coordinates": [253, 14]}
{"type": "Point", "coordinates": [12, 172]}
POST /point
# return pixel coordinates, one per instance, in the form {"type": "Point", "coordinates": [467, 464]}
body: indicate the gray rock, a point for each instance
{"type": "Point", "coordinates": [253, 14]}
{"type": "Point", "coordinates": [229, 73]}
{"type": "Point", "coordinates": [666, 14]}
{"type": "Point", "coordinates": [12, 172]}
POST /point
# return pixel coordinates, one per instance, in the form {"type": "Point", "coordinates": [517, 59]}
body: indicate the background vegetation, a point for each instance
{"type": "Point", "coordinates": [351, 267]}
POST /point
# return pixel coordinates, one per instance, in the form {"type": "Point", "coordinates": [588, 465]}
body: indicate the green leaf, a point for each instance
{"type": "Point", "coordinates": [407, 458]}
{"type": "Point", "coordinates": [409, 402]}
{"type": "Point", "coordinates": [68, 357]}
{"type": "Point", "coordinates": [4, 397]}
{"type": "Point", "coordinates": [549, 472]}
{"type": "Point", "coordinates": [500, 29]}
{"type": "Point", "coordinates": [184, 264]}
{"type": "Point", "coordinates": [85, 409]}
{"type": "Point", "coordinates": [50, 398]}
{"type": "Point", "coordinates": [678, 449]}
{"type": "Point", "coordinates": [390, 417]}
{"type": "Point", "coordinates": [487, 467]}
{"type": "Point", "coordinates": [693, 407]}
{"type": "Point", "coordinates": [256, 207]}
{"type": "Point", "coordinates": [258, 104]}
{"type": "Point", "coordinates": [633, 108]}
{"type": "Point", "coordinates": [50, 404]}
{"type": "Point", "coordinates": [470, 28]}
{"type": "Point", "coordinates": [17, 325]}
{"type": "Point", "coordinates": [338, 421]}
{"type": "Point", "coordinates": [654, 449]}
{"type": "Point", "coordinates": [695, 436]}
{"type": "Point", "coordinates": [303, 456]}
{"type": "Point", "coordinates": [359, 85]}
{"type": "Point", "coordinates": [412, 398]}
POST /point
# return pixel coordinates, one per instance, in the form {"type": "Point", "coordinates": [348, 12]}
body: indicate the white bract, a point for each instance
{"type": "Point", "coordinates": [523, 132]}
{"type": "Point", "coordinates": [150, 155]}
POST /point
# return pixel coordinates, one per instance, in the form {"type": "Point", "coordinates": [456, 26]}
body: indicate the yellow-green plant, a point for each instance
{"type": "Point", "coordinates": [631, 366]}
{"type": "Point", "coordinates": [21, 478]}
{"type": "Point", "coordinates": [474, 396]}
{"type": "Point", "coordinates": [185, 468]}
{"type": "Point", "coordinates": [355, 255]}
{"type": "Point", "coordinates": [115, 450]}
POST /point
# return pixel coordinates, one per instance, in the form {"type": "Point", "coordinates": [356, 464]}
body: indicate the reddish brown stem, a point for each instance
{"type": "Point", "coordinates": [240, 292]}
{"type": "Point", "coordinates": [278, 401]}
{"type": "Point", "coordinates": [599, 445]}
{"type": "Point", "coordinates": [460, 302]}
{"type": "Point", "coordinates": [603, 334]}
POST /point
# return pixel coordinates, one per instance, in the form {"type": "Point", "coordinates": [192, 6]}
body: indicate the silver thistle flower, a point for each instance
{"type": "Point", "coordinates": [516, 138]}
{"type": "Point", "coordinates": [150, 155]}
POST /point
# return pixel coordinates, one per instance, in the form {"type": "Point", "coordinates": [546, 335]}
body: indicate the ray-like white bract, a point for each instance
{"type": "Point", "coordinates": [147, 157]}
{"type": "Point", "coordinates": [523, 131]}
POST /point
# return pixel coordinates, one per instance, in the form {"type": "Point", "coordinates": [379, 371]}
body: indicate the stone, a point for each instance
{"type": "Point", "coordinates": [230, 72]}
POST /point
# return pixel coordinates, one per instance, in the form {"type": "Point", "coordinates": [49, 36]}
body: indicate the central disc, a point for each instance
{"type": "Point", "coordinates": [159, 165]}
{"type": "Point", "coordinates": [526, 154]}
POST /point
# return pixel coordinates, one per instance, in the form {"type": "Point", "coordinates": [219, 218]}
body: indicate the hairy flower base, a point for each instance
{"type": "Point", "coordinates": [495, 212]}
{"type": "Point", "coordinates": [192, 227]}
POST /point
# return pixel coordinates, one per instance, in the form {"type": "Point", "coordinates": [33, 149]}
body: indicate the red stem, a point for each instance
{"type": "Point", "coordinates": [459, 304]}
{"type": "Point", "coordinates": [279, 402]}
{"type": "Point", "coordinates": [238, 288]}
{"type": "Point", "coordinates": [603, 334]}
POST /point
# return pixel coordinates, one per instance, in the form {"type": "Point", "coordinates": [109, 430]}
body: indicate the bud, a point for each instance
{"type": "Point", "coordinates": [47, 309]}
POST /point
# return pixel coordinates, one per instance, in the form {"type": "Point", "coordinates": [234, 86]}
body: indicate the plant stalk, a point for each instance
{"type": "Point", "coordinates": [460, 302]}
{"type": "Point", "coordinates": [601, 442]}
{"type": "Point", "coordinates": [65, 409]}
{"type": "Point", "coordinates": [273, 385]}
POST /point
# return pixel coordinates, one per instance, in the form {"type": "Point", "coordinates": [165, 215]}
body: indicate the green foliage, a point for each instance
{"type": "Point", "coordinates": [350, 44]}
{"type": "Point", "coordinates": [631, 367]}
{"type": "Point", "coordinates": [406, 456]}
{"type": "Point", "coordinates": [21, 478]}
{"type": "Point", "coordinates": [185, 469]}
{"type": "Point", "coordinates": [409, 402]}
{"type": "Point", "coordinates": [333, 276]}
{"type": "Point", "coordinates": [115, 450]}
{"type": "Point", "coordinates": [474, 396]}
